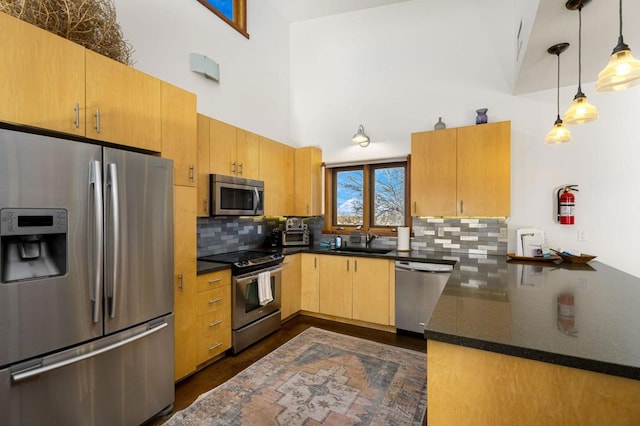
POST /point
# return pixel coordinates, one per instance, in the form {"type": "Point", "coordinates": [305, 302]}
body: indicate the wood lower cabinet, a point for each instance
{"type": "Point", "coordinates": [336, 295]}
{"type": "Point", "coordinates": [179, 133]}
{"type": "Point", "coordinates": [371, 290]}
{"type": "Point", "coordinates": [213, 310]}
{"type": "Point", "coordinates": [355, 288]}
{"type": "Point", "coordinates": [291, 288]}
{"type": "Point", "coordinates": [463, 171]}
{"type": "Point", "coordinates": [184, 282]}
{"type": "Point", "coordinates": [42, 82]}
{"type": "Point", "coordinates": [123, 105]}
{"type": "Point", "coordinates": [309, 282]}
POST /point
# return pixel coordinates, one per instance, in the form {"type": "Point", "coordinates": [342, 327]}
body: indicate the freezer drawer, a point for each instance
{"type": "Point", "coordinates": [123, 379]}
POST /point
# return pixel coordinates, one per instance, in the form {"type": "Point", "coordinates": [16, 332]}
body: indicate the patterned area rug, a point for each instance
{"type": "Point", "coordinates": [319, 377]}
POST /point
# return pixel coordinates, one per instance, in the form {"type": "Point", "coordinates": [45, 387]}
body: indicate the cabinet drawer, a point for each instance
{"type": "Point", "coordinates": [213, 345]}
{"type": "Point", "coordinates": [213, 280]}
{"type": "Point", "coordinates": [213, 300]}
{"type": "Point", "coordinates": [214, 322]}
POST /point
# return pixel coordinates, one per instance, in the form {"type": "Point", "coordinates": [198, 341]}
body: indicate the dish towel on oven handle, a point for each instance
{"type": "Point", "coordinates": [264, 288]}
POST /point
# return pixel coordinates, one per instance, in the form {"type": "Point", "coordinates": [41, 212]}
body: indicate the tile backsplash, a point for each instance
{"type": "Point", "coordinates": [460, 235]}
{"type": "Point", "coordinates": [455, 235]}
{"type": "Point", "coordinates": [229, 233]}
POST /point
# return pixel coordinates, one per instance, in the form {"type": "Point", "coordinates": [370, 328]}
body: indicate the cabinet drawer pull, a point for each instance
{"type": "Point", "coordinates": [355, 266]}
{"type": "Point", "coordinates": [233, 168]}
{"type": "Point", "coordinates": [215, 280]}
{"type": "Point", "coordinates": [213, 324]}
{"type": "Point", "coordinates": [192, 173]}
{"type": "Point", "coordinates": [215, 346]}
{"type": "Point", "coordinates": [181, 278]}
{"type": "Point", "coordinates": [219, 299]}
{"type": "Point", "coordinates": [240, 168]}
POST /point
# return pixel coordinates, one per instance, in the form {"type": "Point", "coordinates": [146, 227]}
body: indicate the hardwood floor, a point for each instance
{"type": "Point", "coordinates": [217, 373]}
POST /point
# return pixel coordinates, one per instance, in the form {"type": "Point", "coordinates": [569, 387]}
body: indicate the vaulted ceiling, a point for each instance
{"type": "Point", "coordinates": [549, 24]}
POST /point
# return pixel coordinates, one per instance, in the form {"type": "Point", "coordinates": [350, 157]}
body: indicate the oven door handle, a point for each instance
{"type": "Point", "coordinates": [252, 277]}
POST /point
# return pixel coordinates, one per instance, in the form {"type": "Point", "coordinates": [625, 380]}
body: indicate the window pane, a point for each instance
{"type": "Point", "coordinates": [389, 192]}
{"type": "Point", "coordinates": [349, 198]}
{"type": "Point", "coordinates": [223, 6]}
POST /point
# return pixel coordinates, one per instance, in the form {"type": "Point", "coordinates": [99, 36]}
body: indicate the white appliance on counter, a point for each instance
{"type": "Point", "coordinates": [86, 294]}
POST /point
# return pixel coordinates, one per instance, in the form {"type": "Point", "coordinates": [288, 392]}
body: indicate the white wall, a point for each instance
{"type": "Point", "coordinates": [254, 73]}
{"type": "Point", "coordinates": [396, 69]}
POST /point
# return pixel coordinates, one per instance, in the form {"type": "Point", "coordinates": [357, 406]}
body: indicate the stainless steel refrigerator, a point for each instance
{"type": "Point", "coordinates": [86, 267]}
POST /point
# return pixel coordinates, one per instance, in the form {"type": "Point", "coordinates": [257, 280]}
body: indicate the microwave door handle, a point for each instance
{"type": "Point", "coordinates": [114, 211]}
{"type": "Point", "coordinates": [95, 230]}
{"type": "Point", "coordinates": [257, 200]}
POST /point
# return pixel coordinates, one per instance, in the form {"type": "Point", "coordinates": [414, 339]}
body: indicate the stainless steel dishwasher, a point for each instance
{"type": "Point", "coordinates": [418, 288]}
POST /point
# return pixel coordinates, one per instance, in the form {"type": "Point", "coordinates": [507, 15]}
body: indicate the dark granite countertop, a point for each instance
{"type": "Point", "coordinates": [204, 267]}
{"type": "Point", "coordinates": [578, 315]}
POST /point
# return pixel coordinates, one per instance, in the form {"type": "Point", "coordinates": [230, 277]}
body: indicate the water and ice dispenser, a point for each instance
{"type": "Point", "coordinates": [33, 244]}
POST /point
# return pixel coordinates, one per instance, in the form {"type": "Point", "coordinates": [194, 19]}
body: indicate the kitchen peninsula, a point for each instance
{"type": "Point", "coordinates": [536, 343]}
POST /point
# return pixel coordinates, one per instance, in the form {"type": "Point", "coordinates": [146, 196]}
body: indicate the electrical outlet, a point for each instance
{"type": "Point", "coordinates": [259, 229]}
{"type": "Point", "coordinates": [440, 231]}
{"type": "Point", "coordinates": [582, 235]}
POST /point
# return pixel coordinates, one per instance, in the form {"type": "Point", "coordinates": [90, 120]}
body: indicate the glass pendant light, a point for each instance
{"type": "Point", "coordinates": [622, 71]}
{"type": "Point", "coordinates": [558, 134]}
{"type": "Point", "coordinates": [581, 111]}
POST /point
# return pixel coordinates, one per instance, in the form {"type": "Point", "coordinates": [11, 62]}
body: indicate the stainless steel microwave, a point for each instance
{"type": "Point", "coordinates": [234, 196]}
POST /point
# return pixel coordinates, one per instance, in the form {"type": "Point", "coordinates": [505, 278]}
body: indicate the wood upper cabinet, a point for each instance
{"type": "Point", "coordinates": [42, 81]}
{"type": "Point", "coordinates": [462, 171]}
{"type": "Point", "coordinates": [433, 173]}
{"type": "Point", "coordinates": [307, 182]}
{"type": "Point", "coordinates": [484, 170]}
{"type": "Point", "coordinates": [371, 290]}
{"type": "Point", "coordinates": [336, 295]}
{"type": "Point", "coordinates": [179, 133]}
{"type": "Point", "coordinates": [233, 151]}
{"type": "Point", "coordinates": [203, 166]}
{"type": "Point", "coordinates": [122, 104]}
{"type": "Point", "coordinates": [276, 170]}
{"type": "Point", "coordinates": [291, 288]}
{"type": "Point", "coordinates": [184, 281]}
{"type": "Point", "coordinates": [247, 154]}
{"type": "Point", "coordinates": [309, 282]}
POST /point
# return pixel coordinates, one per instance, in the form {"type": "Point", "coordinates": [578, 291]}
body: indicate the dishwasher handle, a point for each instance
{"type": "Point", "coordinates": [428, 268]}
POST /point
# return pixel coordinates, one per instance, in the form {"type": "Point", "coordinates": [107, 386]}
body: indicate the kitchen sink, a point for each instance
{"type": "Point", "coordinates": [364, 250]}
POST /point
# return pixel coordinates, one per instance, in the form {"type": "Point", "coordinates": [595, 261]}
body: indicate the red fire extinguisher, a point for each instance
{"type": "Point", "coordinates": [567, 204]}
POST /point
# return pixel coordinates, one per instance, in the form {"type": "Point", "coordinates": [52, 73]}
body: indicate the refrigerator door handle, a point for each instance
{"type": "Point", "coordinates": [18, 376]}
{"type": "Point", "coordinates": [95, 230]}
{"type": "Point", "coordinates": [113, 212]}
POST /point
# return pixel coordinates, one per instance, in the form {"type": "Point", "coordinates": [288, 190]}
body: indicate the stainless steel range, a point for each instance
{"type": "Point", "coordinates": [256, 294]}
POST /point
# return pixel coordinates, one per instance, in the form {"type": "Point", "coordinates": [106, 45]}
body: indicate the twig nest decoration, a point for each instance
{"type": "Point", "coordinates": [90, 23]}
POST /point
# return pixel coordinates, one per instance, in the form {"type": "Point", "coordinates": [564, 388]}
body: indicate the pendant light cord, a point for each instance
{"type": "Point", "coordinates": [580, 50]}
{"type": "Point", "coordinates": [558, 90]}
{"type": "Point", "coordinates": [620, 16]}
